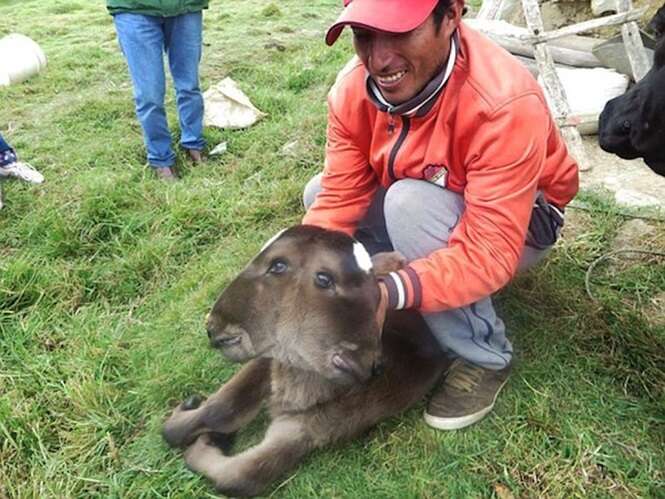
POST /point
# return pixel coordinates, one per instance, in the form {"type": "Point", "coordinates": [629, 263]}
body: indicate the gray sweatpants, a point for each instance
{"type": "Point", "coordinates": [416, 217]}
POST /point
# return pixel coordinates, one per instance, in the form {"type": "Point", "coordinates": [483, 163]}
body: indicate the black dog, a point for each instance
{"type": "Point", "coordinates": [633, 124]}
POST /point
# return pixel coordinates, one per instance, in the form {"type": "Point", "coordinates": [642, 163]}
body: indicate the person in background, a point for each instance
{"type": "Point", "coordinates": [10, 166]}
{"type": "Point", "coordinates": [146, 30]}
{"type": "Point", "coordinates": [441, 146]}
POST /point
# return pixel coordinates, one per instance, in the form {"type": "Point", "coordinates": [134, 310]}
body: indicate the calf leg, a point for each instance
{"type": "Point", "coordinates": [234, 405]}
{"type": "Point", "coordinates": [250, 472]}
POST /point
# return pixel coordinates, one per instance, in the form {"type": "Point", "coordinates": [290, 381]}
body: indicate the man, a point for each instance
{"type": "Point", "coordinates": [441, 146]}
{"type": "Point", "coordinates": [146, 29]}
{"type": "Point", "coordinates": [10, 166]}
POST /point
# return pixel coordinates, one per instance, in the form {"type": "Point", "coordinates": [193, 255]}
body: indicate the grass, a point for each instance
{"type": "Point", "coordinates": [106, 276]}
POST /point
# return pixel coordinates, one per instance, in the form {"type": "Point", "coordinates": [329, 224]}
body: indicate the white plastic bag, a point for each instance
{"type": "Point", "coordinates": [226, 106]}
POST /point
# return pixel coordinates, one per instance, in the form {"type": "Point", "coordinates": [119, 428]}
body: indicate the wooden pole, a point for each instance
{"type": "Point", "coordinates": [573, 29]}
{"type": "Point", "coordinates": [632, 40]}
{"type": "Point", "coordinates": [572, 51]}
{"type": "Point", "coordinates": [552, 84]}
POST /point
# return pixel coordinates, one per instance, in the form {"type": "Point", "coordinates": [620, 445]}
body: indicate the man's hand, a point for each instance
{"type": "Point", "coordinates": [383, 264]}
{"type": "Point", "coordinates": [387, 262]}
{"type": "Point", "coordinates": [382, 308]}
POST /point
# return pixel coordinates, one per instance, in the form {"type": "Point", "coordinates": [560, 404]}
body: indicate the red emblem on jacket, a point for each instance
{"type": "Point", "coordinates": [437, 174]}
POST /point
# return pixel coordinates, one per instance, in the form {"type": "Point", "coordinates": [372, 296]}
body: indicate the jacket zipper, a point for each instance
{"type": "Point", "coordinates": [391, 125]}
{"type": "Point", "coordinates": [406, 125]}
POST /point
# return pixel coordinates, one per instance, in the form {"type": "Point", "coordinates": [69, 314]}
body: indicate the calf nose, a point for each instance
{"type": "Point", "coordinates": [215, 342]}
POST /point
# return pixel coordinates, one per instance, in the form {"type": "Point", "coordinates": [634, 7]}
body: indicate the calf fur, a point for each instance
{"type": "Point", "coordinates": [302, 315]}
{"type": "Point", "coordinates": [633, 124]}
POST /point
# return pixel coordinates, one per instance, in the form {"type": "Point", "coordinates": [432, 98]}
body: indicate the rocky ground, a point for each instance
{"type": "Point", "coordinates": [631, 183]}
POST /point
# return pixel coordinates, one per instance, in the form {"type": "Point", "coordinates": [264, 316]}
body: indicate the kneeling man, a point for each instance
{"type": "Point", "coordinates": [441, 146]}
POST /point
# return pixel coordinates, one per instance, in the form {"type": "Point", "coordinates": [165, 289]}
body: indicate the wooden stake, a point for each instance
{"type": "Point", "coordinates": [632, 40]}
{"type": "Point", "coordinates": [553, 86]}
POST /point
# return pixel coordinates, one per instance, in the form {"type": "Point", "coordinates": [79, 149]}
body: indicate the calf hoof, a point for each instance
{"type": "Point", "coordinates": [192, 402]}
{"type": "Point", "coordinates": [184, 424]}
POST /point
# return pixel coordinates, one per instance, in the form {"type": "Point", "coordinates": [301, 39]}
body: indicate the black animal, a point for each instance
{"type": "Point", "coordinates": [657, 23]}
{"type": "Point", "coordinates": [633, 124]}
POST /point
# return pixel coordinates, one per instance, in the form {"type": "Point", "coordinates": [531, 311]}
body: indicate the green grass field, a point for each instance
{"type": "Point", "coordinates": [106, 276]}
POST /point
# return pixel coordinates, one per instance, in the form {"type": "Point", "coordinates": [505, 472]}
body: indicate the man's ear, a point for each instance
{"type": "Point", "coordinates": [387, 262]}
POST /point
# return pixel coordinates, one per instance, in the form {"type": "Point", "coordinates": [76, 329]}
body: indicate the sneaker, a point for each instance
{"type": "Point", "coordinates": [195, 156]}
{"type": "Point", "coordinates": [21, 171]}
{"type": "Point", "coordinates": [467, 395]}
{"type": "Point", "coordinates": [166, 174]}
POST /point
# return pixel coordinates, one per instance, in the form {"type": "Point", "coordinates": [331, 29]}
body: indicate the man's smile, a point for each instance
{"type": "Point", "coordinates": [391, 80]}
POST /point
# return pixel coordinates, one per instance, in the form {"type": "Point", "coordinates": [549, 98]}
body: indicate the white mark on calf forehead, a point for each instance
{"type": "Point", "coordinates": [272, 240]}
{"type": "Point", "coordinates": [363, 259]}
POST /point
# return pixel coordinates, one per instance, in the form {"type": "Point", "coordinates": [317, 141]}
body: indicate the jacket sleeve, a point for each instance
{"type": "Point", "coordinates": [504, 159]}
{"type": "Point", "coordinates": [348, 182]}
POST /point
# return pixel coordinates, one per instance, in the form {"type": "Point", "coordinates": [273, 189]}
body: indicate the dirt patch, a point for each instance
{"type": "Point", "coordinates": [655, 311]}
{"type": "Point", "coordinates": [557, 14]}
{"type": "Point", "coordinates": [579, 225]}
{"type": "Point", "coordinates": [633, 231]}
{"type": "Point", "coordinates": [631, 183]}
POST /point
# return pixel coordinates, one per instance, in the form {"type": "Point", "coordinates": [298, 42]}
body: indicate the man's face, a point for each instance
{"type": "Point", "coordinates": [402, 64]}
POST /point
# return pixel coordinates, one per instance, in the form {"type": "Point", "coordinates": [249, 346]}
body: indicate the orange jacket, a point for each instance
{"type": "Point", "coordinates": [489, 136]}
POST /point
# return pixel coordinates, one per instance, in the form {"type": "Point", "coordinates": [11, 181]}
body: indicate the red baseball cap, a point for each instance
{"type": "Point", "coordinates": [392, 16]}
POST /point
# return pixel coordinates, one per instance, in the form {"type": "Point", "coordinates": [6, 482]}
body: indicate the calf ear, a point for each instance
{"type": "Point", "coordinates": [386, 262]}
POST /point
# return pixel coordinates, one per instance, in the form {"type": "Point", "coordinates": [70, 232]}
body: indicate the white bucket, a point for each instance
{"type": "Point", "coordinates": [20, 58]}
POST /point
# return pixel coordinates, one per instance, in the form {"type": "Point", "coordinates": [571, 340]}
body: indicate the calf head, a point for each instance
{"type": "Point", "coordinates": [309, 300]}
{"type": "Point", "coordinates": [633, 124]}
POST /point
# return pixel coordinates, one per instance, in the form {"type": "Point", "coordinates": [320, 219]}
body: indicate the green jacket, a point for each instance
{"type": "Point", "coordinates": [161, 8]}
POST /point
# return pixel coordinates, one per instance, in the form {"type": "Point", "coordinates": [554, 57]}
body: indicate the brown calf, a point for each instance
{"type": "Point", "coordinates": [303, 314]}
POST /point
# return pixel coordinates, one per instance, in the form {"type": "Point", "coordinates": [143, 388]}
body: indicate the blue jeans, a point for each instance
{"type": "Point", "coordinates": [7, 154]}
{"type": "Point", "coordinates": [143, 40]}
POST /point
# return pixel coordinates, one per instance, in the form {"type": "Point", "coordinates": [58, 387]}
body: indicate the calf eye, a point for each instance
{"type": "Point", "coordinates": [324, 280]}
{"type": "Point", "coordinates": [277, 266]}
{"type": "Point", "coordinates": [626, 125]}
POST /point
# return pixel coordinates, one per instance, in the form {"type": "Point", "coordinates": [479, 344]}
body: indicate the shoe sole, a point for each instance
{"type": "Point", "coordinates": [22, 171]}
{"type": "Point", "coordinates": [463, 421]}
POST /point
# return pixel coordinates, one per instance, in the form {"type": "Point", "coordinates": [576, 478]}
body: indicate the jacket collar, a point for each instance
{"type": "Point", "coordinates": [421, 103]}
